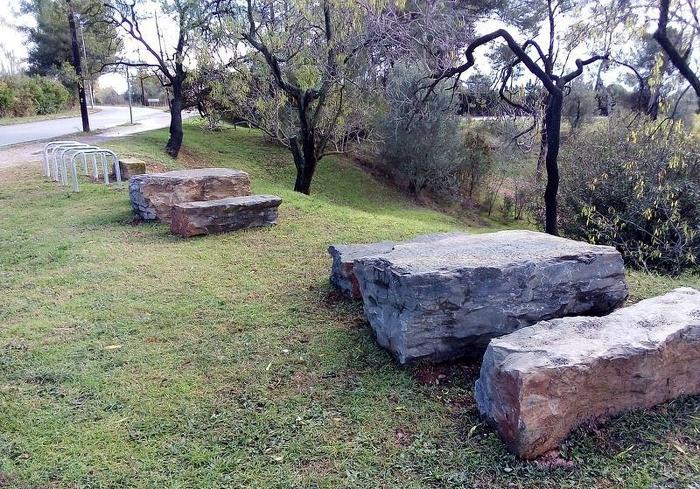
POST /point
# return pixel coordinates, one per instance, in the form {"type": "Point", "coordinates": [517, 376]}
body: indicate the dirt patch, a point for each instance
{"type": "Point", "coordinates": [403, 436]}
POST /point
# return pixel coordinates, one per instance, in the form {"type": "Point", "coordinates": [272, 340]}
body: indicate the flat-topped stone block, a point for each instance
{"type": "Point", "coordinates": [129, 167]}
{"type": "Point", "coordinates": [539, 383]}
{"type": "Point", "coordinates": [344, 256]}
{"type": "Point", "coordinates": [443, 299]}
{"type": "Point", "coordinates": [153, 195]}
{"type": "Point", "coordinates": [222, 215]}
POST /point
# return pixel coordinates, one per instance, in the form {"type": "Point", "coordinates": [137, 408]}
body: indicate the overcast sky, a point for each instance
{"type": "Point", "coordinates": [16, 42]}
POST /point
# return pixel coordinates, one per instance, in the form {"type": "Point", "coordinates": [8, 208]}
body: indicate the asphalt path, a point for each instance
{"type": "Point", "coordinates": [116, 118]}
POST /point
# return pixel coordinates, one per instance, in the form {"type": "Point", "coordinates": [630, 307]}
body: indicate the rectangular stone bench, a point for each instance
{"type": "Point", "coordinates": [440, 300]}
{"type": "Point", "coordinates": [344, 256]}
{"type": "Point", "coordinates": [539, 383]}
{"type": "Point", "coordinates": [222, 215]}
{"type": "Point", "coordinates": [154, 194]}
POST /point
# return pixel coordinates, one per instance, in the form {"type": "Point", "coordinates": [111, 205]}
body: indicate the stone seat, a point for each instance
{"type": "Point", "coordinates": [222, 215]}
{"type": "Point", "coordinates": [342, 274]}
{"type": "Point", "coordinates": [154, 194]}
{"type": "Point", "coordinates": [539, 383]}
{"type": "Point", "coordinates": [130, 167]}
{"type": "Point", "coordinates": [446, 298]}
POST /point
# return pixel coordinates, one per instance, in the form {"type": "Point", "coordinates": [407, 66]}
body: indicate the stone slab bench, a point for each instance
{"type": "Point", "coordinates": [541, 382]}
{"type": "Point", "coordinates": [344, 256]}
{"type": "Point", "coordinates": [223, 215]}
{"type": "Point", "coordinates": [443, 299]}
{"type": "Point", "coordinates": [154, 194]}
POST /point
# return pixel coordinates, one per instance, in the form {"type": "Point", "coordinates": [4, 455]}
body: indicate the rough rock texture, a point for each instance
{"type": "Point", "coordinates": [153, 195]}
{"type": "Point", "coordinates": [444, 299]}
{"type": "Point", "coordinates": [539, 383]}
{"type": "Point", "coordinates": [344, 256]}
{"type": "Point", "coordinates": [220, 216]}
{"type": "Point", "coordinates": [130, 167]}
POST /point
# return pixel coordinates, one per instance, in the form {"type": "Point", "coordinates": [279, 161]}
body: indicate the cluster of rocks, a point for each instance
{"type": "Point", "coordinates": [536, 304]}
{"type": "Point", "coordinates": [202, 201]}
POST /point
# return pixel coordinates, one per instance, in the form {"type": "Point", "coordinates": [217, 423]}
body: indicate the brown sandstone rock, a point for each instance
{"type": "Point", "coordinates": [539, 383]}
{"type": "Point", "coordinates": [153, 195]}
{"type": "Point", "coordinates": [130, 167]}
{"type": "Point", "coordinates": [220, 216]}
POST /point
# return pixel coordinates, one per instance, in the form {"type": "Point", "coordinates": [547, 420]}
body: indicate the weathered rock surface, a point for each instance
{"type": "Point", "coordinates": [154, 194]}
{"type": "Point", "coordinates": [539, 383]}
{"type": "Point", "coordinates": [447, 298]}
{"type": "Point", "coordinates": [220, 216]}
{"type": "Point", "coordinates": [129, 167]}
{"type": "Point", "coordinates": [344, 256]}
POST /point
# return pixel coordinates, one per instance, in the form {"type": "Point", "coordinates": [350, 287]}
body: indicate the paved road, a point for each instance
{"type": "Point", "coordinates": [145, 119]}
{"type": "Point", "coordinates": [28, 153]}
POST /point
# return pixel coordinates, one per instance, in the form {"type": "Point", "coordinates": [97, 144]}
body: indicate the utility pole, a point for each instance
{"type": "Point", "coordinates": [128, 91]}
{"type": "Point", "coordinates": [82, 38]}
{"type": "Point", "coordinates": [78, 69]}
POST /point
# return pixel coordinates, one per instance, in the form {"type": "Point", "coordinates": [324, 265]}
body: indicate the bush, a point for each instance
{"type": "Point", "coordinates": [22, 96]}
{"type": "Point", "coordinates": [6, 98]}
{"type": "Point", "coordinates": [634, 184]}
{"type": "Point", "coordinates": [51, 97]}
{"type": "Point", "coordinates": [434, 153]}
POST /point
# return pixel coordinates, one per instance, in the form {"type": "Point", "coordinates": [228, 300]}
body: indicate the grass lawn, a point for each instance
{"type": "Point", "coordinates": [132, 358]}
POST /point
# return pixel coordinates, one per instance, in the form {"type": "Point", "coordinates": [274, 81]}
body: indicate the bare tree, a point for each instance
{"type": "Point", "coordinates": [295, 76]}
{"type": "Point", "coordinates": [170, 66]}
{"type": "Point", "coordinates": [541, 66]}
{"type": "Point", "coordinates": [679, 59]}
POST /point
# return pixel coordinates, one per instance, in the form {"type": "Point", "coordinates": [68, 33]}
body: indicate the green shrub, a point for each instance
{"type": "Point", "coordinates": [22, 96]}
{"type": "Point", "coordinates": [6, 98]}
{"type": "Point", "coordinates": [52, 96]}
{"type": "Point", "coordinates": [433, 152]}
{"type": "Point", "coordinates": [635, 184]}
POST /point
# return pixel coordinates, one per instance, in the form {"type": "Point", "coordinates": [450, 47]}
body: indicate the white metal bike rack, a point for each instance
{"type": "Point", "coordinates": [65, 155]}
{"type": "Point", "coordinates": [57, 155]}
{"type": "Point", "coordinates": [49, 148]}
{"type": "Point", "coordinates": [52, 156]}
{"type": "Point", "coordinates": [104, 153]}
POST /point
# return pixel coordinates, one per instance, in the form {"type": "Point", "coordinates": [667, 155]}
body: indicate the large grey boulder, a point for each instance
{"type": "Point", "coordinates": [344, 256]}
{"type": "Point", "coordinates": [222, 215]}
{"type": "Point", "coordinates": [154, 194]}
{"type": "Point", "coordinates": [444, 299]}
{"type": "Point", "coordinates": [539, 383]}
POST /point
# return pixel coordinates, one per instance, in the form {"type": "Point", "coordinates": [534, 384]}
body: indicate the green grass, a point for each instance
{"type": "Point", "coordinates": [132, 358]}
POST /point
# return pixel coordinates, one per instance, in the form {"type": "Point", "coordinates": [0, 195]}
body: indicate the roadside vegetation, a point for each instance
{"type": "Point", "coordinates": [25, 96]}
{"type": "Point", "coordinates": [131, 358]}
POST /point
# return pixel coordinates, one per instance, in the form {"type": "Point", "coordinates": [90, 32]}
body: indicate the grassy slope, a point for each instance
{"type": "Point", "coordinates": [131, 358]}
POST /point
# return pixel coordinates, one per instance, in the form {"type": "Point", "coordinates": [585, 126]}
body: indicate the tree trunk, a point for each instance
{"type": "Point", "coordinates": [78, 69]}
{"type": "Point", "coordinates": [305, 162]}
{"type": "Point", "coordinates": [175, 140]}
{"type": "Point", "coordinates": [541, 157]}
{"type": "Point", "coordinates": [304, 152]}
{"type": "Point", "coordinates": [143, 93]}
{"type": "Point", "coordinates": [553, 123]}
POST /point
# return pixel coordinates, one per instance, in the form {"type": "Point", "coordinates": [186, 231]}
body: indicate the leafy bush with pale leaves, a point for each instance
{"type": "Point", "coordinates": [430, 149]}
{"type": "Point", "coordinates": [635, 184]}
